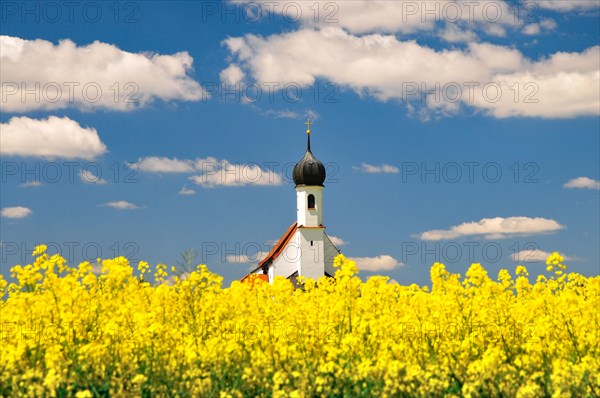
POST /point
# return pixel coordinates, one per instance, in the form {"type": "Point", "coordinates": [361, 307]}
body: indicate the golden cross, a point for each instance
{"type": "Point", "coordinates": [308, 123]}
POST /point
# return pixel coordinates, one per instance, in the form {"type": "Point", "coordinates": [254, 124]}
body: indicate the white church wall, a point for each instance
{"type": "Point", "coordinates": [309, 217]}
{"type": "Point", "coordinates": [330, 253]}
{"type": "Point", "coordinates": [312, 251]}
{"type": "Point", "coordinates": [288, 261]}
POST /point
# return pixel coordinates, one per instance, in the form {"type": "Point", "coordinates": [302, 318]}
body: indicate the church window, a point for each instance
{"type": "Point", "coordinates": [311, 201]}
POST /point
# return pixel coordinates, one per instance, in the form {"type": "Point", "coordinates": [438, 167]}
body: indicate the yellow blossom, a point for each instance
{"type": "Point", "coordinates": [68, 331]}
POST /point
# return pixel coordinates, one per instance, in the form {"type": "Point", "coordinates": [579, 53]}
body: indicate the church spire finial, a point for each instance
{"type": "Point", "coordinates": [308, 123]}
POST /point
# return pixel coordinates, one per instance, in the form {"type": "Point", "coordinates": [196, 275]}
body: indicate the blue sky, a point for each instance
{"type": "Point", "coordinates": [411, 180]}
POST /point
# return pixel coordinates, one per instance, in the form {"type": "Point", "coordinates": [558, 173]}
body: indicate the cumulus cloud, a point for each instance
{"type": "Point", "coordinates": [121, 205]}
{"type": "Point", "coordinates": [89, 177]}
{"type": "Point", "coordinates": [582, 182]}
{"type": "Point", "coordinates": [94, 76]}
{"type": "Point", "coordinates": [384, 168]}
{"type": "Point", "coordinates": [535, 28]}
{"type": "Point", "coordinates": [383, 16]}
{"type": "Point", "coordinates": [16, 212]}
{"type": "Point", "coordinates": [337, 241]}
{"type": "Point", "coordinates": [212, 171]}
{"type": "Point", "coordinates": [232, 75]}
{"type": "Point", "coordinates": [454, 34]}
{"type": "Point", "coordinates": [49, 138]}
{"type": "Point", "coordinates": [246, 258]}
{"type": "Point", "coordinates": [224, 173]}
{"type": "Point", "coordinates": [378, 263]}
{"type": "Point", "coordinates": [158, 164]}
{"type": "Point", "coordinates": [482, 76]}
{"type": "Point", "coordinates": [534, 256]}
{"type": "Point", "coordinates": [568, 5]}
{"type": "Point", "coordinates": [532, 29]}
{"type": "Point", "coordinates": [186, 191]}
{"type": "Point", "coordinates": [496, 228]}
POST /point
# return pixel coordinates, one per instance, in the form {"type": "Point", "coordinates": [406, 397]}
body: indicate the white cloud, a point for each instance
{"type": "Point", "coordinates": [582, 182]}
{"type": "Point", "coordinates": [89, 177]}
{"type": "Point", "coordinates": [313, 115]}
{"type": "Point", "coordinates": [31, 184]}
{"type": "Point", "coordinates": [224, 173]}
{"type": "Point", "coordinates": [282, 114]}
{"type": "Point", "coordinates": [378, 263]}
{"type": "Point", "coordinates": [481, 76]}
{"type": "Point", "coordinates": [337, 241]}
{"type": "Point", "coordinates": [186, 191]}
{"type": "Point", "coordinates": [121, 205]}
{"type": "Point", "coordinates": [536, 28]}
{"type": "Point", "coordinates": [384, 16]}
{"type": "Point", "coordinates": [157, 164]}
{"type": "Point", "coordinates": [246, 258]}
{"type": "Point", "coordinates": [567, 5]}
{"type": "Point", "coordinates": [454, 34]}
{"type": "Point", "coordinates": [384, 168]}
{"type": "Point", "coordinates": [534, 256]}
{"type": "Point", "coordinates": [496, 228]}
{"type": "Point", "coordinates": [94, 76]}
{"type": "Point", "coordinates": [16, 212]}
{"type": "Point", "coordinates": [213, 172]}
{"type": "Point", "coordinates": [289, 114]}
{"type": "Point", "coordinates": [532, 29]}
{"type": "Point", "coordinates": [49, 138]}
{"type": "Point", "coordinates": [232, 75]}
{"type": "Point", "coordinates": [548, 23]}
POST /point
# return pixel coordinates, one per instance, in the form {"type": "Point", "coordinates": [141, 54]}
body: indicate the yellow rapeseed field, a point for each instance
{"type": "Point", "coordinates": [67, 331]}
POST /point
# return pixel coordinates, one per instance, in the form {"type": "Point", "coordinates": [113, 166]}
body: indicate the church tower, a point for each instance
{"type": "Point", "coordinates": [309, 176]}
{"type": "Point", "coordinates": [304, 249]}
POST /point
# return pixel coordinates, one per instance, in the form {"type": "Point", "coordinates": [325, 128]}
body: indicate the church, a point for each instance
{"type": "Point", "coordinates": [304, 249]}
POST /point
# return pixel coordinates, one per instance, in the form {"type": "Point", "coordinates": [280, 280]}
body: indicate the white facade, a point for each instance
{"type": "Point", "coordinates": [309, 215]}
{"type": "Point", "coordinates": [288, 261]}
{"type": "Point", "coordinates": [312, 252]}
{"type": "Point", "coordinates": [304, 249]}
{"type": "Point", "coordinates": [307, 250]}
{"type": "Point", "coordinates": [312, 261]}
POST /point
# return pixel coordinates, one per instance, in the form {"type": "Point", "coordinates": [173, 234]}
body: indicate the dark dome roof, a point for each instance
{"type": "Point", "coordinates": [309, 170]}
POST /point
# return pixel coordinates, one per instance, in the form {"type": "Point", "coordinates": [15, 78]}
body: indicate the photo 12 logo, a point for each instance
{"type": "Point", "coordinates": [212, 172]}
{"type": "Point", "coordinates": [472, 93]}
{"type": "Point", "coordinates": [126, 12]}
{"type": "Point", "coordinates": [56, 94]}
{"type": "Point", "coordinates": [253, 332]}
{"type": "Point", "coordinates": [12, 252]}
{"type": "Point", "coordinates": [469, 172]}
{"type": "Point", "coordinates": [59, 332]}
{"type": "Point", "coordinates": [271, 92]}
{"type": "Point", "coordinates": [469, 252]}
{"type": "Point", "coordinates": [333, 12]}
{"type": "Point", "coordinates": [30, 174]}
{"type": "Point", "coordinates": [252, 253]}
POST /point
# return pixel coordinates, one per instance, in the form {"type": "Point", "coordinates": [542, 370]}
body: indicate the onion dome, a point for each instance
{"type": "Point", "coordinates": [309, 170]}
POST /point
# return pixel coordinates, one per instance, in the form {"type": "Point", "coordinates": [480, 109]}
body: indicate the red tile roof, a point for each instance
{"type": "Point", "coordinates": [280, 245]}
{"type": "Point", "coordinates": [277, 249]}
{"type": "Point", "coordinates": [253, 278]}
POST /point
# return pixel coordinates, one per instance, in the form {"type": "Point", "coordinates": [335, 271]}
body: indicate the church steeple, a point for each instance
{"type": "Point", "coordinates": [304, 249]}
{"type": "Point", "coordinates": [309, 176]}
{"type": "Point", "coordinates": [308, 123]}
{"type": "Point", "coordinates": [309, 170]}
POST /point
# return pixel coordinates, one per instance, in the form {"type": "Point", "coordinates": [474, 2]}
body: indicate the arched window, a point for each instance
{"type": "Point", "coordinates": [311, 201]}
